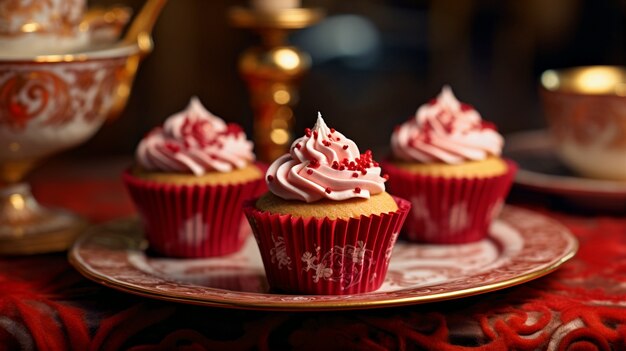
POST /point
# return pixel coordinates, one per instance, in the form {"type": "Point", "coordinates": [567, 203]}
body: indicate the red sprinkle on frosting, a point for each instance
{"type": "Point", "coordinates": [314, 163]}
{"type": "Point", "coordinates": [357, 190]}
{"type": "Point", "coordinates": [328, 191]}
{"type": "Point", "coordinates": [487, 125]}
{"type": "Point", "coordinates": [466, 107]}
{"type": "Point", "coordinates": [270, 178]}
{"type": "Point", "coordinates": [172, 147]}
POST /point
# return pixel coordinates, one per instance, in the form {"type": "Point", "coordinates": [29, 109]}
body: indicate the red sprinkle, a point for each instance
{"type": "Point", "coordinates": [345, 147]}
{"type": "Point", "coordinates": [309, 171]}
{"type": "Point", "coordinates": [355, 175]}
{"type": "Point", "coordinates": [363, 172]}
{"type": "Point", "coordinates": [357, 190]}
{"type": "Point", "coordinates": [270, 178]}
{"type": "Point", "coordinates": [326, 142]}
{"type": "Point", "coordinates": [332, 130]}
{"type": "Point", "coordinates": [328, 191]}
{"type": "Point", "coordinates": [330, 136]}
{"type": "Point", "coordinates": [487, 125]}
{"type": "Point", "coordinates": [315, 135]}
{"type": "Point", "coordinates": [338, 139]}
{"type": "Point", "coordinates": [298, 146]}
{"type": "Point", "coordinates": [307, 132]}
{"type": "Point", "coordinates": [386, 176]}
{"type": "Point", "coordinates": [466, 107]}
{"type": "Point", "coordinates": [341, 168]}
{"type": "Point", "coordinates": [172, 147]}
{"type": "Point", "coordinates": [314, 164]}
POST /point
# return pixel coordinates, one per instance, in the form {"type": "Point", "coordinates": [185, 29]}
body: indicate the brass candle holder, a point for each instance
{"type": "Point", "coordinates": [272, 72]}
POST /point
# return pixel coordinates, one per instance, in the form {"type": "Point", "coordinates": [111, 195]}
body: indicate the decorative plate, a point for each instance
{"type": "Point", "coordinates": [521, 246]}
{"type": "Point", "coordinates": [541, 170]}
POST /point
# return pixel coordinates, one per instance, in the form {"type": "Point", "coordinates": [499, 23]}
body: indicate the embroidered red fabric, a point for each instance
{"type": "Point", "coordinates": [46, 305]}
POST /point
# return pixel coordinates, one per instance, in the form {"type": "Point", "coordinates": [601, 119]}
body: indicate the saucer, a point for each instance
{"type": "Point", "coordinates": [521, 246]}
{"type": "Point", "coordinates": [541, 170]}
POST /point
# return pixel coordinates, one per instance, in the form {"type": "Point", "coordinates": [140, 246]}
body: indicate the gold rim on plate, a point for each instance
{"type": "Point", "coordinates": [522, 246]}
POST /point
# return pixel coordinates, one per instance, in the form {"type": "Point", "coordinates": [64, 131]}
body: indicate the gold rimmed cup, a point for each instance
{"type": "Point", "coordinates": [585, 108]}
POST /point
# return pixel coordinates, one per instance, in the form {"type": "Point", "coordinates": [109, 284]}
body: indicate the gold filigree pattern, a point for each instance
{"type": "Point", "coordinates": [54, 97]}
{"type": "Point", "coordinates": [27, 95]}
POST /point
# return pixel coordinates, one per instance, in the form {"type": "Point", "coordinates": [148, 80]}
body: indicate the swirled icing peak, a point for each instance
{"type": "Point", "coordinates": [324, 164]}
{"type": "Point", "coordinates": [195, 141]}
{"type": "Point", "coordinates": [448, 131]}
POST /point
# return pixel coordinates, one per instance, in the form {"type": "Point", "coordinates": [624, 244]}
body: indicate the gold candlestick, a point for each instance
{"type": "Point", "coordinates": [272, 72]}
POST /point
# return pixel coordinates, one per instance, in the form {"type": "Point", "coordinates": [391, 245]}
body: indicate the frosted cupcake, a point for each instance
{"type": "Point", "coordinates": [446, 161]}
{"type": "Point", "coordinates": [326, 226]}
{"type": "Point", "coordinates": [189, 182]}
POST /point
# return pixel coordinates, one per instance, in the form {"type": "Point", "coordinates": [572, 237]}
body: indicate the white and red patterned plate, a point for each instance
{"type": "Point", "coordinates": [522, 245]}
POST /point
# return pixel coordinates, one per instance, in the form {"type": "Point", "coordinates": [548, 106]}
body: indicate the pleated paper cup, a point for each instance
{"type": "Point", "coordinates": [192, 220]}
{"type": "Point", "coordinates": [449, 210]}
{"type": "Point", "coordinates": [316, 256]}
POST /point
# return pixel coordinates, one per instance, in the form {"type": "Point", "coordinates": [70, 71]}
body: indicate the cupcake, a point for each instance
{"type": "Point", "coordinates": [446, 161]}
{"type": "Point", "coordinates": [189, 182]}
{"type": "Point", "coordinates": [326, 226]}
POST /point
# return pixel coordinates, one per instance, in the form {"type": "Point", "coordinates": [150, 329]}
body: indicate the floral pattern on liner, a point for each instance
{"type": "Point", "coordinates": [389, 250]}
{"type": "Point", "coordinates": [419, 211]}
{"type": "Point", "coordinates": [449, 210]}
{"type": "Point", "coordinates": [332, 264]}
{"type": "Point", "coordinates": [279, 253]}
{"type": "Point", "coordinates": [522, 245]}
{"type": "Point", "coordinates": [459, 217]}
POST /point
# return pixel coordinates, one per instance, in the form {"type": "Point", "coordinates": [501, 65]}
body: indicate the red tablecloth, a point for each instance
{"type": "Point", "coordinates": [46, 305]}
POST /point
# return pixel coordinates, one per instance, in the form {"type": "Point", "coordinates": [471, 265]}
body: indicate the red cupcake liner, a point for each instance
{"type": "Point", "coordinates": [316, 256]}
{"type": "Point", "coordinates": [449, 210]}
{"type": "Point", "coordinates": [193, 220]}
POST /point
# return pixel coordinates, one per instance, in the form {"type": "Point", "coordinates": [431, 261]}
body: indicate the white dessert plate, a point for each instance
{"type": "Point", "coordinates": [521, 246]}
{"type": "Point", "coordinates": [541, 170]}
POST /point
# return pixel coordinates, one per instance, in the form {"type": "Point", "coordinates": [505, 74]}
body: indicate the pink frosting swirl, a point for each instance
{"type": "Point", "coordinates": [446, 130]}
{"type": "Point", "coordinates": [195, 141]}
{"type": "Point", "coordinates": [324, 164]}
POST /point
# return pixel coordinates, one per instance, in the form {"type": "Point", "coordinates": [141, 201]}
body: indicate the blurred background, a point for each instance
{"type": "Point", "coordinates": [374, 62]}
